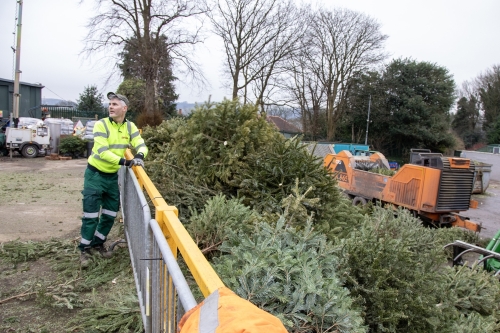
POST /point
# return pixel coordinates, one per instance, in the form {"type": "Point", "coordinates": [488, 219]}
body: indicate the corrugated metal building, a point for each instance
{"type": "Point", "coordinates": [29, 102]}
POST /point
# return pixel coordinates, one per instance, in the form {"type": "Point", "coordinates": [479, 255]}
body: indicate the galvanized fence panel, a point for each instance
{"type": "Point", "coordinates": [71, 113]}
{"type": "Point", "coordinates": [136, 216]}
{"type": "Point", "coordinates": [173, 296]}
{"type": "Point", "coordinates": [163, 292]}
{"type": "Point", "coordinates": [66, 112]}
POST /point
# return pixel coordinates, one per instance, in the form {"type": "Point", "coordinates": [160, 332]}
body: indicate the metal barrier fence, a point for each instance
{"type": "Point", "coordinates": [71, 113]}
{"type": "Point", "coordinates": [163, 292]}
{"type": "Point", "coordinates": [59, 111]}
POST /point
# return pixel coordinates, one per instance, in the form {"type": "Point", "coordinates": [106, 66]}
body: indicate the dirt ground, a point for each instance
{"type": "Point", "coordinates": [39, 198]}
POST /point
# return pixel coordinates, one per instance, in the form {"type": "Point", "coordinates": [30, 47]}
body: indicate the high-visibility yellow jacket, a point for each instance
{"type": "Point", "coordinates": [110, 142]}
{"type": "Point", "coordinates": [225, 312]}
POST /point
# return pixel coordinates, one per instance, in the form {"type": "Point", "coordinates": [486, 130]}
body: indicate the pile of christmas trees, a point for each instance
{"type": "Point", "coordinates": [279, 233]}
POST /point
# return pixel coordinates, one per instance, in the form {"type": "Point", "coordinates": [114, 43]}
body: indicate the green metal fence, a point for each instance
{"type": "Point", "coordinates": [73, 114]}
{"type": "Point", "coordinates": [66, 112]}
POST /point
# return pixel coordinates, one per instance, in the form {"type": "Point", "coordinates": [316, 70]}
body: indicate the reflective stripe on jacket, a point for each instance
{"type": "Point", "coordinates": [225, 312]}
{"type": "Point", "coordinates": [110, 142]}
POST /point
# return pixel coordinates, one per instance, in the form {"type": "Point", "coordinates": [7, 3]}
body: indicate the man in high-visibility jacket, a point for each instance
{"type": "Point", "coordinates": [101, 197]}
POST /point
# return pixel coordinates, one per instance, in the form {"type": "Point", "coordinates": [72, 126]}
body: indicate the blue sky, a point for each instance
{"type": "Point", "coordinates": [457, 34]}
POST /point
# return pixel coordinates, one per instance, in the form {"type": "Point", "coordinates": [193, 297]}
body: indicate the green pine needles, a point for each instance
{"type": "Point", "coordinates": [398, 271]}
{"type": "Point", "coordinates": [292, 274]}
{"type": "Point", "coordinates": [230, 149]}
{"type": "Point", "coordinates": [209, 228]}
{"type": "Point", "coordinates": [279, 233]}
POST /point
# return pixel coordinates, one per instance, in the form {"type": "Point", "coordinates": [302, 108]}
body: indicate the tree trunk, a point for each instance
{"type": "Point", "coordinates": [330, 124]}
{"type": "Point", "coordinates": [315, 121]}
{"type": "Point", "coordinates": [235, 85]}
{"type": "Point", "coordinates": [149, 102]}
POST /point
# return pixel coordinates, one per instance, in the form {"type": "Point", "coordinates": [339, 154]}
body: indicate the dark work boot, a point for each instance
{"type": "Point", "coordinates": [103, 251]}
{"type": "Point", "coordinates": [85, 259]}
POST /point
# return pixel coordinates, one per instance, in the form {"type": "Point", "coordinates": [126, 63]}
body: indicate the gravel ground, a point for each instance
{"type": "Point", "coordinates": [487, 211]}
{"type": "Point", "coordinates": [39, 198]}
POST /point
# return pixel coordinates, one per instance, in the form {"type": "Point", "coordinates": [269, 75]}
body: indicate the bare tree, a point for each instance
{"type": "Point", "coordinates": [341, 43]}
{"type": "Point", "coordinates": [468, 89]}
{"type": "Point", "coordinates": [257, 36]}
{"type": "Point", "coordinates": [487, 85]}
{"type": "Point", "coordinates": [150, 25]}
{"type": "Point", "coordinates": [305, 91]}
{"type": "Point", "coordinates": [289, 25]}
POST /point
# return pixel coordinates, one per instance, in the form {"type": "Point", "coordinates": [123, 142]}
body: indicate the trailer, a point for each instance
{"type": "Point", "coordinates": [28, 141]}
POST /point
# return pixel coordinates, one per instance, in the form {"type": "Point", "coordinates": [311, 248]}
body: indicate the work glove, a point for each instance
{"type": "Point", "coordinates": [137, 160]}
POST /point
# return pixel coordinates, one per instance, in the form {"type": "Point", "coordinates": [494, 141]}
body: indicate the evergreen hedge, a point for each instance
{"type": "Point", "coordinates": [73, 146]}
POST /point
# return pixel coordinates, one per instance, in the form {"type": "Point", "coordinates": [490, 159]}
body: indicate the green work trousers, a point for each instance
{"type": "Point", "coordinates": [101, 201]}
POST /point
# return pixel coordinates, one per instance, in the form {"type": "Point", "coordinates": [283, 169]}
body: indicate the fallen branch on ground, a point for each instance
{"type": "Point", "coordinates": [17, 296]}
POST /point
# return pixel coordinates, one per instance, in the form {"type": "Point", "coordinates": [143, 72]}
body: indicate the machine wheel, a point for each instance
{"type": "Point", "coordinates": [358, 201]}
{"type": "Point", "coordinates": [30, 151]}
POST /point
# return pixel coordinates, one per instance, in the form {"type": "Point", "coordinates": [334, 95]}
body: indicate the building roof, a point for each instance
{"type": "Point", "coordinates": [37, 85]}
{"type": "Point", "coordinates": [283, 125]}
{"type": "Point", "coordinates": [320, 149]}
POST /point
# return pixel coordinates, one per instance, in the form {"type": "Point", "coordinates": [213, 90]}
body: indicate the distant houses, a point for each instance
{"type": "Point", "coordinates": [284, 127]}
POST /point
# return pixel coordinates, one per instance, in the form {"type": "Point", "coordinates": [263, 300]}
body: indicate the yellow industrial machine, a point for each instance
{"type": "Point", "coordinates": [434, 187]}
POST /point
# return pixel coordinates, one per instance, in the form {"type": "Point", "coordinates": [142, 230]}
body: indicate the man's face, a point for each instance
{"type": "Point", "coordinates": [116, 109]}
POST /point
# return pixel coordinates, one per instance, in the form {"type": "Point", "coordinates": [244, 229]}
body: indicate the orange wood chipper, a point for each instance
{"type": "Point", "coordinates": [433, 187]}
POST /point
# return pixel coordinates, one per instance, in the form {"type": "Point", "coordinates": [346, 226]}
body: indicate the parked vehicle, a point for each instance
{"type": "Point", "coordinates": [29, 141]}
{"type": "Point", "coordinates": [433, 187]}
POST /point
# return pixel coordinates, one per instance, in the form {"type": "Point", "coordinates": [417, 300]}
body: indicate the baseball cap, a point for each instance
{"type": "Point", "coordinates": [112, 95]}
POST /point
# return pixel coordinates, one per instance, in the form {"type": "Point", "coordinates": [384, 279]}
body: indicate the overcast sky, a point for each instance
{"type": "Point", "coordinates": [461, 35]}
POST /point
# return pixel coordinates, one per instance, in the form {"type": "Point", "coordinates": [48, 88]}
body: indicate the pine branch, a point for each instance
{"type": "Point", "coordinates": [17, 296]}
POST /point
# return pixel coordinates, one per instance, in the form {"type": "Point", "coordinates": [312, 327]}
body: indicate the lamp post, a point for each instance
{"type": "Point", "coordinates": [15, 101]}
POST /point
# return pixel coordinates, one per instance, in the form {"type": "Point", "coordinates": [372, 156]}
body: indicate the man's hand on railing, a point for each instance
{"type": "Point", "coordinates": [137, 160]}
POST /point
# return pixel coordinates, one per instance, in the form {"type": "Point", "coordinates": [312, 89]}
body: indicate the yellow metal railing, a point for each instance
{"type": "Point", "coordinates": [177, 236]}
